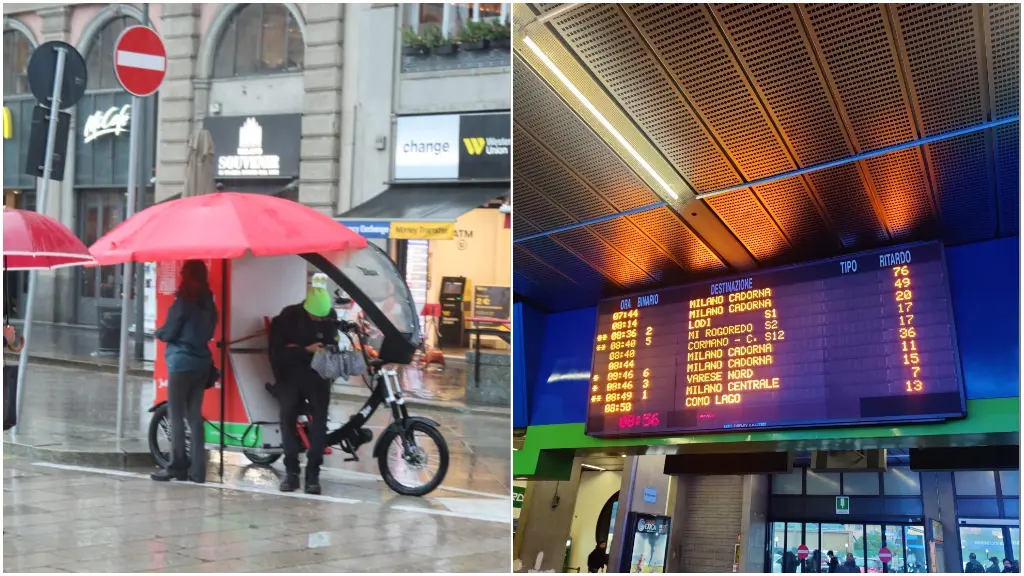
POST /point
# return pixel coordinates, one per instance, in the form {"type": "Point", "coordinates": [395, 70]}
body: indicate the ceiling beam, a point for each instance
{"type": "Point", "coordinates": [841, 162]}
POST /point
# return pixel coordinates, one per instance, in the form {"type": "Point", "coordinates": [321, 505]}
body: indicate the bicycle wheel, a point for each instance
{"type": "Point", "coordinates": [160, 437]}
{"type": "Point", "coordinates": [416, 471]}
{"type": "Point", "coordinates": [261, 458]}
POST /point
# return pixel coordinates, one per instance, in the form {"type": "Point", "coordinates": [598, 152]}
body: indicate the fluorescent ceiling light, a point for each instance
{"type": "Point", "coordinates": [592, 467]}
{"type": "Point", "coordinates": [600, 117]}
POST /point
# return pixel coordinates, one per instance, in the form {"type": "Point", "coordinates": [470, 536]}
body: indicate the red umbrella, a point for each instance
{"type": "Point", "coordinates": [224, 225]}
{"type": "Point", "coordinates": [34, 241]}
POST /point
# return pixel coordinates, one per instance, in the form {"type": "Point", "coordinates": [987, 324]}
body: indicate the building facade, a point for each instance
{"type": "Point", "coordinates": [302, 101]}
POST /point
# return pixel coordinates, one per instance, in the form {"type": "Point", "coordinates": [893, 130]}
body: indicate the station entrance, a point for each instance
{"type": "Point", "coordinates": [906, 542]}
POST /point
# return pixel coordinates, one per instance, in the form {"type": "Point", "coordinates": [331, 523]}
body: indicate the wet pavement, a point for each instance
{"type": "Point", "coordinates": [74, 410]}
{"type": "Point", "coordinates": [80, 344]}
{"type": "Point", "coordinates": [62, 518]}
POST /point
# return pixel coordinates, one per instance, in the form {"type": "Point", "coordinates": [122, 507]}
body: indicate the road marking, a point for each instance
{"type": "Point", "coordinates": [435, 512]}
{"type": "Point", "coordinates": [300, 495]}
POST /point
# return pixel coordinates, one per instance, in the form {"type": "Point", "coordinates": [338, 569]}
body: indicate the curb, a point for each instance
{"type": "Point", "coordinates": [348, 396]}
{"type": "Point", "coordinates": [123, 460]}
{"type": "Point", "coordinates": [81, 364]}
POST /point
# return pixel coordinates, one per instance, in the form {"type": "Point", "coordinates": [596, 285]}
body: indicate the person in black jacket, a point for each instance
{"type": "Point", "coordinates": [598, 558]}
{"type": "Point", "coordinates": [833, 562]}
{"type": "Point", "coordinates": [296, 334]}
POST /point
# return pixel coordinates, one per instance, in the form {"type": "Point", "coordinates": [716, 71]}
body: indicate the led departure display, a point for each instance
{"type": "Point", "coordinates": [862, 339]}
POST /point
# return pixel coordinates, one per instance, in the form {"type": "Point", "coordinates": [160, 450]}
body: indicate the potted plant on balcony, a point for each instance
{"type": "Point", "coordinates": [413, 43]}
{"type": "Point", "coordinates": [474, 36]}
{"type": "Point", "coordinates": [439, 45]}
{"type": "Point", "coordinates": [500, 36]}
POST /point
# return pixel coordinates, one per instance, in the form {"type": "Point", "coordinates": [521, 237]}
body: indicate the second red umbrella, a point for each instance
{"type": "Point", "coordinates": [224, 225]}
{"type": "Point", "coordinates": [34, 241]}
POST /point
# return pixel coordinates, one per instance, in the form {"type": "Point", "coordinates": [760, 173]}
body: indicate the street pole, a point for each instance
{"type": "Point", "coordinates": [129, 267]}
{"type": "Point", "coordinates": [43, 188]}
{"type": "Point", "coordinates": [140, 268]}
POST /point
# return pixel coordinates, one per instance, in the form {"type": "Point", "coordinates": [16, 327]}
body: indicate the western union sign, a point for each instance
{"type": "Point", "coordinates": [8, 124]}
{"type": "Point", "coordinates": [474, 145]}
{"type": "Point", "coordinates": [422, 230]}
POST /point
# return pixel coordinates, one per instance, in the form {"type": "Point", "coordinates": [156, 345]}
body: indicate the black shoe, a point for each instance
{"type": "Point", "coordinates": [312, 483]}
{"type": "Point", "coordinates": [167, 476]}
{"type": "Point", "coordinates": [290, 483]}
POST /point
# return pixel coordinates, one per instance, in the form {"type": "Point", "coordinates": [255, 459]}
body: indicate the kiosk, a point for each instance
{"type": "Point", "coordinates": [453, 326]}
{"type": "Point", "coordinates": [249, 291]}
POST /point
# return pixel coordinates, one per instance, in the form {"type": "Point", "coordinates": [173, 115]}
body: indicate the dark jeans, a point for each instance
{"type": "Point", "coordinates": [292, 395]}
{"type": "Point", "coordinates": [185, 403]}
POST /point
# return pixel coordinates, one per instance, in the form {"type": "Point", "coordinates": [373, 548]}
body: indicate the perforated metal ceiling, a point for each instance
{"type": "Point", "coordinates": [736, 93]}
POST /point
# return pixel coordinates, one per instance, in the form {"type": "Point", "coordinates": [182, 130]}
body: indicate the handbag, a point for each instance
{"type": "Point", "coordinates": [10, 397]}
{"type": "Point", "coordinates": [332, 364]}
{"type": "Point", "coordinates": [211, 379]}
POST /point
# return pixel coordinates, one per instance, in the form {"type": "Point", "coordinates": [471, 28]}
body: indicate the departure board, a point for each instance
{"type": "Point", "coordinates": [861, 339]}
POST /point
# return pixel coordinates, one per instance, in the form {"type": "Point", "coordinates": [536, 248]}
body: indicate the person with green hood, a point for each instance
{"type": "Point", "coordinates": [296, 334]}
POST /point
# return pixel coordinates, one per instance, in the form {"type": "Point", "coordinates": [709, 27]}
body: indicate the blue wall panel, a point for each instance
{"type": "Point", "coordinates": [559, 392]}
{"type": "Point", "coordinates": [527, 346]}
{"type": "Point", "coordinates": [985, 287]}
{"type": "Point", "coordinates": [984, 280]}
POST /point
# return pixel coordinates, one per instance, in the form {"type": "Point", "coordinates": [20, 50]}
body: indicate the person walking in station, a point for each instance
{"type": "Point", "coordinates": [190, 325]}
{"type": "Point", "coordinates": [598, 558]}
{"type": "Point", "coordinates": [296, 334]}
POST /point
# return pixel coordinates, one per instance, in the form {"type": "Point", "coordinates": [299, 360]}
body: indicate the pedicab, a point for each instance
{"type": "Point", "coordinates": [265, 247]}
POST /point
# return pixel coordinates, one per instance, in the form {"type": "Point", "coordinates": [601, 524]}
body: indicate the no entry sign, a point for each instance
{"type": "Point", "coordinates": [140, 60]}
{"type": "Point", "coordinates": [802, 552]}
{"type": "Point", "coordinates": [885, 555]}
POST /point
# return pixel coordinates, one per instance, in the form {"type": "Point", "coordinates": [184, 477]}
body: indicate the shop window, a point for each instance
{"type": "Point", "coordinates": [901, 481]}
{"type": "Point", "coordinates": [822, 483]}
{"type": "Point", "coordinates": [975, 483]}
{"type": "Point", "coordinates": [452, 18]}
{"type": "Point", "coordinates": [1009, 482]}
{"type": "Point", "coordinates": [99, 61]}
{"type": "Point", "coordinates": [860, 484]}
{"type": "Point", "coordinates": [259, 39]}
{"type": "Point", "coordinates": [792, 483]}
{"type": "Point", "coordinates": [17, 51]}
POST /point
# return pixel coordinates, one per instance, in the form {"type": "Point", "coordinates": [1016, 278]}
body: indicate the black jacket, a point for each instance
{"type": "Point", "coordinates": [290, 332]}
{"type": "Point", "coordinates": [598, 559]}
{"type": "Point", "coordinates": [974, 567]}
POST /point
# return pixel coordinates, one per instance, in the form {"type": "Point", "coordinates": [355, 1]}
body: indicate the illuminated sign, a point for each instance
{"type": "Point", "coordinates": [855, 340]}
{"type": "Point", "coordinates": [453, 146]}
{"type": "Point", "coordinates": [422, 230]}
{"type": "Point", "coordinates": [102, 123]}
{"type": "Point", "coordinates": [8, 124]}
{"type": "Point", "coordinates": [249, 159]}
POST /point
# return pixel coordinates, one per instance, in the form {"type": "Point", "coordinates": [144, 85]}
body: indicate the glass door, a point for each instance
{"type": "Point", "coordinates": [99, 213]}
{"type": "Point", "coordinates": [985, 543]}
{"type": "Point", "coordinates": [828, 546]}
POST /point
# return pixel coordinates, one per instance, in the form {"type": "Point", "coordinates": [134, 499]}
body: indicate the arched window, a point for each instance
{"type": "Point", "coordinates": [17, 50]}
{"type": "Point", "coordinates": [260, 39]}
{"type": "Point", "coordinates": [99, 60]}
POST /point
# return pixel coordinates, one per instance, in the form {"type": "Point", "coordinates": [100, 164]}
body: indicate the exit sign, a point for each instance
{"type": "Point", "coordinates": [842, 504]}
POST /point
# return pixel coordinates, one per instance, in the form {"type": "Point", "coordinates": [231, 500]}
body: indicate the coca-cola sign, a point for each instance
{"type": "Point", "coordinates": [112, 121]}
